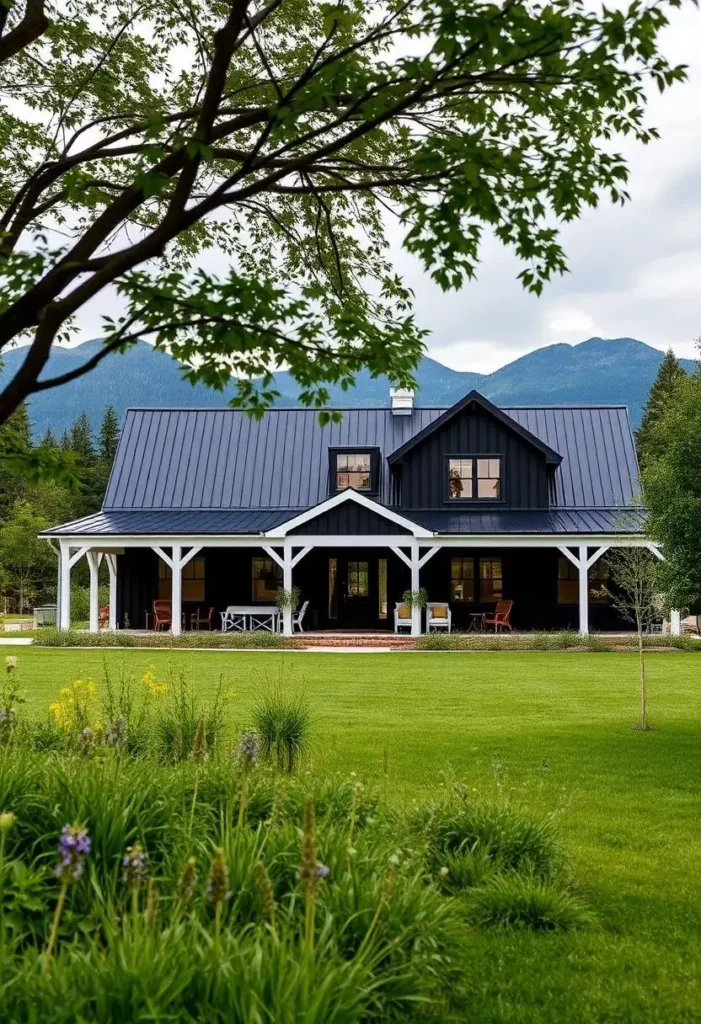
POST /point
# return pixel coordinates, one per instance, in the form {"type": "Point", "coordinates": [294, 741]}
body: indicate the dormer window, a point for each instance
{"type": "Point", "coordinates": [354, 467]}
{"type": "Point", "coordinates": [471, 478]}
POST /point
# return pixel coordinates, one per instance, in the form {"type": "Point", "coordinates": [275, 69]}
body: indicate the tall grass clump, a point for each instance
{"type": "Point", "coordinates": [283, 722]}
{"type": "Point", "coordinates": [517, 901]}
{"type": "Point", "coordinates": [131, 890]}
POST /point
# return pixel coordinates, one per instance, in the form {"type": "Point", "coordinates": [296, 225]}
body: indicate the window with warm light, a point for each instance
{"type": "Point", "coordinates": [474, 479]}
{"type": "Point", "coordinates": [357, 468]}
{"type": "Point", "coordinates": [266, 579]}
{"type": "Point", "coordinates": [192, 586]}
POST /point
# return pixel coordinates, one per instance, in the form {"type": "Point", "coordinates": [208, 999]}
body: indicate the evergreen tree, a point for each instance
{"type": "Point", "coordinates": [15, 438]}
{"type": "Point", "coordinates": [648, 439]}
{"type": "Point", "coordinates": [109, 435]}
{"type": "Point", "coordinates": [48, 440]}
{"type": "Point", "coordinates": [82, 441]}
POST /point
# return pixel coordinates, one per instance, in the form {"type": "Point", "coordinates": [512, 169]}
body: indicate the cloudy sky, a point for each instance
{"type": "Point", "coordinates": [635, 271]}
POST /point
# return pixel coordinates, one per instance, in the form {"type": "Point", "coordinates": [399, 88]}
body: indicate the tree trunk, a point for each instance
{"type": "Point", "coordinates": [643, 682]}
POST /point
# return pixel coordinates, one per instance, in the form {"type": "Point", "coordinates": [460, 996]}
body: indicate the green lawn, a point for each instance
{"type": "Point", "coordinates": [549, 731]}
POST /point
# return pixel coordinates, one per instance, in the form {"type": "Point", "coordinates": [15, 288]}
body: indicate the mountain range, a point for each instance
{"type": "Point", "coordinates": [602, 371]}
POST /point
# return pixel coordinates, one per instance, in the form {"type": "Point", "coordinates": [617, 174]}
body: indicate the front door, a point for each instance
{"type": "Point", "coordinates": [358, 591]}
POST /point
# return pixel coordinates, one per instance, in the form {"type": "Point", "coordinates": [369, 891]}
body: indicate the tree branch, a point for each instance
{"type": "Point", "coordinates": [33, 24]}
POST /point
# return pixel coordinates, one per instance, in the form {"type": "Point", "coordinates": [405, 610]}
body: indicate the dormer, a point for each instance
{"type": "Point", "coordinates": [474, 456]}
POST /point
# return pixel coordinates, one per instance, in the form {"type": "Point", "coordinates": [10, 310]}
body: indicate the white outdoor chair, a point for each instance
{"type": "Point", "coordinates": [438, 616]}
{"type": "Point", "coordinates": [298, 616]}
{"type": "Point", "coordinates": [402, 616]}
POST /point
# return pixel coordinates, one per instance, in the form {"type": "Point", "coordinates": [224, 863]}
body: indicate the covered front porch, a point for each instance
{"type": "Point", "coordinates": [349, 584]}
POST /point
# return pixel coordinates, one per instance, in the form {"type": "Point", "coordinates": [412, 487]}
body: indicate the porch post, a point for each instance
{"type": "Point", "coordinates": [177, 591]}
{"type": "Point", "coordinates": [287, 585]}
{"type": "Point", "coordinates": [675, 622]}
{"type": "Point", "coordinates": [415, 585]}
{"type": "Point", "coordinates": [112, 567]}
{"type": "Point", "coordinates": [64, 586]}
{"type": "Point", "coordinates": [93, 565]}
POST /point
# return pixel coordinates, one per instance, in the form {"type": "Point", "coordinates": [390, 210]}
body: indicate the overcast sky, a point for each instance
{"type": "Point", "coordinates": [635, 271]}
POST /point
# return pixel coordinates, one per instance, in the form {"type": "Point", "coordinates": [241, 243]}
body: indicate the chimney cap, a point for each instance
{"type": "Point", "coordinates": [402, 401]}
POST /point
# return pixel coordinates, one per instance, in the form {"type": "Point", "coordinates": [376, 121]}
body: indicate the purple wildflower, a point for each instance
{"type": "Point", "coordinates": [321, 870]}
{"type": "Point", "coordinates": [135, 866]}
{"type": "Point", "coordinates": [73, 847]}
{"type": "Point", "coordinates": [116, 732]}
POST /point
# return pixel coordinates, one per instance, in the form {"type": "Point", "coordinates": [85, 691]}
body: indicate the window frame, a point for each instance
{"type": "Point", "coordinates": [356, 449]}
{"type": "Point", "coordinates": [193, 581]}
{"type": "Point", "coordinates": [277, 569]}
{"type": "Point", "coordinates": [595, 579]}
{"type": "Point", "coordinates": [475, 459]}
{"type": "Point", "coordinates": [463, 580]}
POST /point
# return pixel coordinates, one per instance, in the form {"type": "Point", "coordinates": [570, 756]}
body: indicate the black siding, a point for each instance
{"type": "Point", "coordinates": [350, 519]}
{"type": "Point", "coordinates": [423, 470]}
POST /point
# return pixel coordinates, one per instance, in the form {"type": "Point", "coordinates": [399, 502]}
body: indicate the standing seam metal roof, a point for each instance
{"type": "Point", "coordinates": [220, 459]}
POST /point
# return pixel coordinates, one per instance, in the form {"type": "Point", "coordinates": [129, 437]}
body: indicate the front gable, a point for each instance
{"type": "Point", "coordinates": [476, 437]}
{"type": "Point", "coordinates": [349, 513]}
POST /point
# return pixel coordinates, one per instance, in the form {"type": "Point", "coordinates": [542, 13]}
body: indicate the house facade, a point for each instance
{"type": "Point", "coordinates": [210, 508]}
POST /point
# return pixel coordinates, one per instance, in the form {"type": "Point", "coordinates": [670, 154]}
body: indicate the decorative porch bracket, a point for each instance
{"type": "Point", "coordinates": [416, 562]}
{"type": "Point", "coordinates": [583, 564]}
{"type": "Point", "coordinates": [287, 561]}
{"type": "Point", "coordinates": [177, 562]}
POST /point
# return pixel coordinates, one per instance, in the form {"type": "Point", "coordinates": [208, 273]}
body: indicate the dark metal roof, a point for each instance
{"type": "Point", "coordinates": [565, 521]}
{"type": "Point", "coordinates": [134, 522]}
{"type": "Point", "coordinates": [178, 459]}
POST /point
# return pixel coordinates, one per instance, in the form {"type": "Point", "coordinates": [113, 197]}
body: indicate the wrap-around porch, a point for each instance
{"type": "Point", "coordinates": [350, 583]}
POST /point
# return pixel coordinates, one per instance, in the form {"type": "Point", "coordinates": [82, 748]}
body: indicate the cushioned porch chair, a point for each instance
{"type": "Point", "coordinates": [500, 619]}
{"type": "Point", "coordinates": [438, 616]}
{"type": "Point", "coordinates": [402, 616]}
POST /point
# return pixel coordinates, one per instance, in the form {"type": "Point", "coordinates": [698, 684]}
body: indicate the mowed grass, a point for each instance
{"type": "Point", "coordinates": [550, 732]}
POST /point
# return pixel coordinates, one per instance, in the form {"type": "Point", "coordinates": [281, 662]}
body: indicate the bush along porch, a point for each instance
{"type": "Point", "coordinates": [502, 517]}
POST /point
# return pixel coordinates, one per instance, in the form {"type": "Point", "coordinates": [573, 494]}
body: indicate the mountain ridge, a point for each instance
{"type": "Point", "coordinates": [597, 371]}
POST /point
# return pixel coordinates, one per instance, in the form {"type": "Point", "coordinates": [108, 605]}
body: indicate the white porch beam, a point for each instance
{"type": "Point", "coordinates": [161, 554]}
{"type": "Point", "coordinates": [190, 555]}
{"type": "Point", "coordinates": [76, 557]}
{"type": "Point", "coordinates": [299, 556]}
{"type": "Point", "coordinates": [272, 553]}
{"type": "Point", "coordinates": [583, 590]}
{"type": "Point", "coordinates": [94, 559]}
{"type": "Point", "coordinates": [176, 591]}
{"type": "Point", "coordinates": [401, 554]}
{"type": "Point", "coordinates": [429, 554]}
{"type": "Point", "coordinates": [675, 622]}
{"type": "Point", "coordinates": [415, 585]}
{"type": "Point", "coordinates": [568, 554]}
{"type": "Point", "coordinates": [112, 567]}
{"type": "Point", "coordinates": [64, 587]}
{"type": "Point", "coordinates": [597, 555]}
{"type": "Point", "coordinates": [656, 552]}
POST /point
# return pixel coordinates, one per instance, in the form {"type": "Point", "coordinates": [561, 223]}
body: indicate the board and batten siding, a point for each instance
{"type": "Point", "coordinates": [422, 473]}
{"type": "Point", "coordinates": [350, 519]}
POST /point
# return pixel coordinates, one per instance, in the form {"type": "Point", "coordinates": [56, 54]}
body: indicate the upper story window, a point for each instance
{"type": "Point", "coordinates": [474, 479]}
{"type": "Point", "coordinates": [357, 468]}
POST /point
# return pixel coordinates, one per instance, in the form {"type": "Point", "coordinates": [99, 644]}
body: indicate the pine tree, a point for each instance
{"type": "Point", "coordinates": [82, 440]}
{"type": "Point", "coordinates": [15, 436]}
{"type": "Point", "coordinates": [48, 440]}
{"type": "Point", "coordinates": [661, 394]}
{"type": "Point", "coordinates": [109, 435]}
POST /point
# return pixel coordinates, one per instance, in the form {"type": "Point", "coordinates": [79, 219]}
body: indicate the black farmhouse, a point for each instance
{"type": "Point", "coordinates": [209, 508]}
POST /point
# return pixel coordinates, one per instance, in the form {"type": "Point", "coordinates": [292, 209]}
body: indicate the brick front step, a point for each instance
{"type": "Point", "coordinates": [385, 640]}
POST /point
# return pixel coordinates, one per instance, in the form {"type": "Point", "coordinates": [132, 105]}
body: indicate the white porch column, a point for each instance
{"type": "Point", "coordinates": [94, 565]}
{"type": "Point", "coordinates": [675, 622]}
{"type": "Point", "coordinates": [415, 585]}
{"type": "Point", "coordinates": [112, 567]}
{"type": "Point", "coordinates": [64, 587]}
{"type": "Point", "coordinates": [287, 585]}
{"type": "Point", "coordinates": [583, 590]}
{"type": "Point", "coordinates": [177, 591]}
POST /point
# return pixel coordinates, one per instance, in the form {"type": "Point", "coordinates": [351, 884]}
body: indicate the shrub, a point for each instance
{"type": "Point", "coordinates": [515, 901]}
{"type": "Point", "coordinates": [283, 722]}
{"type": "Point", "coordinates": [186, 725]}
{"type": "Point", "coordinates": [384, 940]}
{"type": "Point", "coordinates": [469, 839]}
{"type": "Point", "coordinates": [233, 640]}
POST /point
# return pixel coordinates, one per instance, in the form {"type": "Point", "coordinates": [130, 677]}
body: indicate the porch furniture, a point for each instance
{"type": "Point", "coordinates": [103, 616]}
{"type": "Point", "coordinates": [197, 621]}
{"type": "Point", "coordinates": [500, 618]}
{"type": "Point", "coordinates": [476, 623]}
{"type": "Point", "coordinates": [438, 616]}
{"type": "Point", "coordinates": [250, 616]}
{"type": "Point", "coordinates": [162, 615]}
{"type": "Point", "coordinates": [402, 616]}
{"type": "Point", "coordinates": [297, 617]}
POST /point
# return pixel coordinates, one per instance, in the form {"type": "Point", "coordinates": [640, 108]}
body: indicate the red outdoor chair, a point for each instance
{"type": "Point", "coordinates": [501, 617]}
